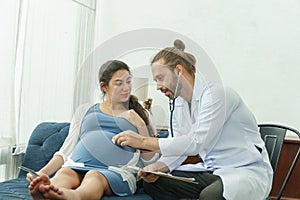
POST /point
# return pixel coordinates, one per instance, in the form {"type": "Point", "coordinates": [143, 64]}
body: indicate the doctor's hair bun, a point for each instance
{"type": "Point", "coordinates": [178, 44]}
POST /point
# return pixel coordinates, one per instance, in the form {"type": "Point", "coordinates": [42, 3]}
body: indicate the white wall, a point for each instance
{"type": "Point", "coordinates": [40, 55]}
{"type": "Point", "coordinates": [255, 44]}
{"type": "Point", "coordinates": [8, 21]}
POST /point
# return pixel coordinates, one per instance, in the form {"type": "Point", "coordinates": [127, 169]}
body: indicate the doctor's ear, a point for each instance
{"type": "Point", "coordinates": [179, 69]}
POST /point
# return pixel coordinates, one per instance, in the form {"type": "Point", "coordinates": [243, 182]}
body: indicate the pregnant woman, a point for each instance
{"type": "Point", "coordinates": [88, 165]}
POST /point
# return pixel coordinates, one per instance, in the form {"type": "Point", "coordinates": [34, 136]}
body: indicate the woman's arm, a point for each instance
{"type": "Point", "coordinates": [52, 166]}
{"type": "Point", "coordinates": [60, 157]}
{"type": "Point", "coordinates": [143, 130]}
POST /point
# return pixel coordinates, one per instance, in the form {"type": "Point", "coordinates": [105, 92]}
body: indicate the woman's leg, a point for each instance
{"type": "Point", "coordinates": [67, 178]}
{"type": "Point", "coordinates": [93, 186]}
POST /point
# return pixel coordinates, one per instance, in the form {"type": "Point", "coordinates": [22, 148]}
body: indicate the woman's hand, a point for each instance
{"type": "Point", "coordinates": [133, 118]}
{"type": "Point", "coordinates": [155, 167]}
{"type": "Point", "coordinates": [30, 177]}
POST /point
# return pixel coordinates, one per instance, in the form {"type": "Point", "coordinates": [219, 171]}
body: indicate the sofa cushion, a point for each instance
{"type": "Point", "coordinates": [14, 189]}
{"type": "Point", "coordinates": [44, 141]}
{"type": "Point", "coordinates": [17, 189]}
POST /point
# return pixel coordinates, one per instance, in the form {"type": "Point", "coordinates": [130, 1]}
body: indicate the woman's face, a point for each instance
{"type": "Point", "coordinates": [119, 87]}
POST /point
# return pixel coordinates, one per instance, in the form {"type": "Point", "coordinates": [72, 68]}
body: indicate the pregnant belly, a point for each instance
{"type": "Point", "coordinates": [96, 148]}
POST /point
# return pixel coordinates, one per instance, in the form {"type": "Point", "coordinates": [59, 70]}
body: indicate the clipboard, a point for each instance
{"type": "Point", "coordinates": [180, 178]}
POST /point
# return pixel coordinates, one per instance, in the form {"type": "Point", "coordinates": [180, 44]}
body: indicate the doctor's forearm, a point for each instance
{"type": "Point", "coordinates": [143, 130]}
{"type": "Point", "coordinates": [150, 143]}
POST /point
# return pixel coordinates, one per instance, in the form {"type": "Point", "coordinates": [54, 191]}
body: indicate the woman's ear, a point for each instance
{"type": "Point", "coordinates": [103, 86]}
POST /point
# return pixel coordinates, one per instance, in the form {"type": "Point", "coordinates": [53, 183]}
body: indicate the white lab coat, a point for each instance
{"type": "Point", "coordinates": [218, 126]}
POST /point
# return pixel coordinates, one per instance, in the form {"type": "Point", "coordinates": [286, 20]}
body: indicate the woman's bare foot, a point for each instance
{"type": "Point", "coordinates": [60, 193]}
{"type": "Point", "coordinates": [34, 186]}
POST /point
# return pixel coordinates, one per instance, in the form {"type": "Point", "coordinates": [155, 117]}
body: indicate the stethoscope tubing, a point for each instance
{"type": "Point", "coordinates": [172, 104]}
{"type": "Point", "coordinates": [172, 107]}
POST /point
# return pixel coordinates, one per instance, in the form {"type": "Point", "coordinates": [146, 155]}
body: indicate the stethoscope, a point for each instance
{"type": "Point", "coordinates": [172, 104]}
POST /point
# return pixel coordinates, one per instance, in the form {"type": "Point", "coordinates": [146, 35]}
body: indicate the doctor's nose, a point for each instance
{"type": "Point", "coordinates": [158, 86]}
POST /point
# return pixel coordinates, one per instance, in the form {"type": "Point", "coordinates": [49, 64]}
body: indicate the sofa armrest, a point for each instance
{"type": "Point", "coordinates": [10, 161]}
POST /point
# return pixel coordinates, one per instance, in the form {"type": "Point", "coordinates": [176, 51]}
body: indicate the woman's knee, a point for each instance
{"type": "Point", "coordinates": [95, 174]}
{"type": "Point", "coordinates": [66, 177]}
{"type": "Point", "coordinates": [65, 172]}
{"type": "Point", "coordinates": [93, 177]}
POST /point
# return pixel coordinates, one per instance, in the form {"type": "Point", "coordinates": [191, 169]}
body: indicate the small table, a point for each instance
{"type": "Point", "coordinates": [292, 190]}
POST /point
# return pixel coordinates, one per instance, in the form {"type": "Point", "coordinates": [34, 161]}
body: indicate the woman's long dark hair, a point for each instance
{"type": "Point", "coordinates": [105, 74]}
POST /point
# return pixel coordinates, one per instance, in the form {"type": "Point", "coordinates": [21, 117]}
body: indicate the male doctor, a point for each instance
{"type": "Point", "coordinates": [211, 122]}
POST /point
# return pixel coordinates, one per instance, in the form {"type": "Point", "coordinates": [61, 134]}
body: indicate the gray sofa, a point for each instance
{"type": "Point", "coordinates": [45, 140]}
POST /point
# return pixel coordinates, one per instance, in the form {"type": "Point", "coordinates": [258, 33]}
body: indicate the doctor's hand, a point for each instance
{"type": "Point", "coordinates": [129, 138]}
{"type": "Point", "coordinates": [154, 167]}
{"type": "Point", "coordinates": [137, 141]}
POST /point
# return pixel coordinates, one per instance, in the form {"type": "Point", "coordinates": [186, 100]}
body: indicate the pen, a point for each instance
{"type": "Point", "coordinates": [34, 173]}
